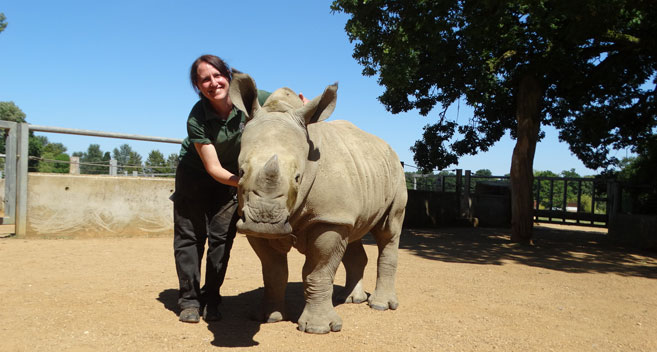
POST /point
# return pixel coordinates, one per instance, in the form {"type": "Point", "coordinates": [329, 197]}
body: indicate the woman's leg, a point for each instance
{"type": "Point", "coordinates": [221, 233]}
{"type": "Point", "coordinates": [188, 242]}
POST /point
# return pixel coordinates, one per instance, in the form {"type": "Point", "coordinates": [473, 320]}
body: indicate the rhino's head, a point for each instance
{"type": "Point", "coordinates": [274, 154]}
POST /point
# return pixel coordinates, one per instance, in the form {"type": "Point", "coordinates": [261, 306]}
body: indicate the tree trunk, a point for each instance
{"type": "Point", "coordinates": [522, 172]}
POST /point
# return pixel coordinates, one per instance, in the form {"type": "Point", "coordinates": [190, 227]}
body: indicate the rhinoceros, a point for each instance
{"type": "Point", "coordinates": [319, 187]}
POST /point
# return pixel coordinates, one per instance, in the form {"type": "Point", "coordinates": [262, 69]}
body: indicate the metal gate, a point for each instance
{"type": "Point", "coordinates": [585, 201]}
{"type": "Point", "coordinates": [574, 201]}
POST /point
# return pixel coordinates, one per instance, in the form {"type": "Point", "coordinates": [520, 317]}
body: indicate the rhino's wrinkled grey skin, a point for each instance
{"type": "Point", "coordinates": [317, 186]}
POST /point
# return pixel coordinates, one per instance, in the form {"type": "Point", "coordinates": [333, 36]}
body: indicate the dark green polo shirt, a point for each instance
{"type": "Point", "coordinates": [206, 127]}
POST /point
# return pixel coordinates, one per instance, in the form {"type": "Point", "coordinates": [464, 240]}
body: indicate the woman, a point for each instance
{"type": "Point", "coordinates": [204, 201]}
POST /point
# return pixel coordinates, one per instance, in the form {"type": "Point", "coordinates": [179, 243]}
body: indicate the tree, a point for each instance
{"type": "Point", "coordinates": [638, 175]}
{"type": "Point", "coordinates": [172, 162]}
{"type": "Point", "coordinates": [3, 24]}
{"type": "Point", "coordinates": [155, 162]}
{"type": "Point", "coordinates": [127, 159]}
{"type": "Point", "coordinates": [54, 157]}
{"type": "Point", "coordinates": [578, 66]}
{"type": "Point", "coordinates": [11, 112]}
{"type": "Point", "coordinates": [93, 161]}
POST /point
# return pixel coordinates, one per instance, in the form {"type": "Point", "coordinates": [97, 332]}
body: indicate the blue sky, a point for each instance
{"type": "Point", "coordinates": [123, 66]}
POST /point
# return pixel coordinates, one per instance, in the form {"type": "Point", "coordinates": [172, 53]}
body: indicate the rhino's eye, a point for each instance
{"type": "Point", "coordinates": [297, 178]}
{"type": "Point", "coordinates": [241, 173]}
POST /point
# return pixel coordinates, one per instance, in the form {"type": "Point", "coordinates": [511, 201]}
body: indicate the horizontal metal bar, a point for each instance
{"type": "Point", "coordinates": [102, 134]}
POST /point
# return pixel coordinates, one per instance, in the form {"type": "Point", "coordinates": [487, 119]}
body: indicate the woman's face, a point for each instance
{"type": "Point", "coordinates": [211, 83]}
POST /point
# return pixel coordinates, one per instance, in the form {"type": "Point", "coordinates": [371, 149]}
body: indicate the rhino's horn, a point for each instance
{"type": "Point", "coordinates": [270, 172]}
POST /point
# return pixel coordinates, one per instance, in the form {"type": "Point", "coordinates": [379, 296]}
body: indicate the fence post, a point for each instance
{"type": "Point", "coordinates": [614, 194]}
{"type": "Point", "coordinates": [10, 174]}
{"type": "Point", "coordinates": [74, 167]}
{"type": "Point", "coordinates": [113, 167]}
{"type": "Point", "coordinates": [459, 190]}
{"type": "Point", "coordinates": [21, 178]}
{"type": "Point", "coordinates": [466, 203]}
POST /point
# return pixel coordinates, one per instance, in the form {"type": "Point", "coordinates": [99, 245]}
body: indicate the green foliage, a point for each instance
{"type": "Point", "coordinates": [127, 159]}
{"type": "Point", "coordinates": [11, 112]}
{"type": "Point", "coordinates": [637, 175]}
{"type": "Point", "coordinates": [594, 62]}
{"type": "Point", "coordinates": [642, 168]}
{"type": "Point", "coordinates": [34, 149]}
{"type": "Point", "coordinates": [93, 161]}
{"type": "Point", "coordinates": [3, 24]}
{"type": "Point", "coordinates": [156, 164]}
{"type": "Point", "coordinates": [422, 181]}
{"type": "Point", "coordinates": [172, 161]}
{"type": "Point", "coordinates": [54, 158]}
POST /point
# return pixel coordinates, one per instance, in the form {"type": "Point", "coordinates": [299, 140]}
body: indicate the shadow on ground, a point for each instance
{"type": "Point", "coordinates": [240, 322]}
{"type": "Point", "coordinates": [238, 325]}
{"type": "Point", "coordinates": [555, 249]}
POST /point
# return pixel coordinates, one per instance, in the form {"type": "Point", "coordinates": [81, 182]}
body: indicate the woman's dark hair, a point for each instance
{"type": "Point", "coordinates": [215, 62]}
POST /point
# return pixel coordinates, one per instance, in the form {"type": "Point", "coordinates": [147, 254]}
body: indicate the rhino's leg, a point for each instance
{"type": "Point", "coordinates": [354, 260]}
{"type": "Point", "coordinates": [325, 247]}
{"type": "Point", "coordinates": [275, 275]}
{"type": "Point", "coordinates": [386, 234]}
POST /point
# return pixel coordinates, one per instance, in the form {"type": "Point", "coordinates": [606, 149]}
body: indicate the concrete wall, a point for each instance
{"type": "Point", "coordinates": [62, 205]}
{"type": "Point", "coordinates": [67, 206]}
{"type": "Point", "coordinates": [2, 195]}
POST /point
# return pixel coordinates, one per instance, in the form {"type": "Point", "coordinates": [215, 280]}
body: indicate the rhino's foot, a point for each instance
{"type": "Point", "coordinates": [319, 322]}
{"type": "Point", "coordinates": [270, 315]}
{"type": "Point", "coordinates": [273, 317]}
{"type": "Point", "coordinates": [357, 295]}
{"type": "Point", "coordinates": [383, 301]}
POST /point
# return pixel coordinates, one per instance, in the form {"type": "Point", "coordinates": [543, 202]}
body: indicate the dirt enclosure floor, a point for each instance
{"type": "Point", "coordinates": [460, 289]}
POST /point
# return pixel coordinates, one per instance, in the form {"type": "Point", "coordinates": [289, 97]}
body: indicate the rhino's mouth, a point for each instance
{"type": "Point", "coordinates": [265, 220]}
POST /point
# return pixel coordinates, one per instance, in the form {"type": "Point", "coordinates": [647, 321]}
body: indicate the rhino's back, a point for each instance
{"type": "Point", "coordinates": [358, 176]}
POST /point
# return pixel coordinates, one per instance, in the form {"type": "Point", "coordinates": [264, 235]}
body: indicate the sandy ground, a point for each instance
{"type": "Point", "coordinates": [460, 289]}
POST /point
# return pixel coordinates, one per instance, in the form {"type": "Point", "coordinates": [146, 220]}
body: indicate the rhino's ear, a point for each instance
{"type": "Point", "coordinates": [321, 107]}
{"type": "Point", "coordinates": [244, 94]}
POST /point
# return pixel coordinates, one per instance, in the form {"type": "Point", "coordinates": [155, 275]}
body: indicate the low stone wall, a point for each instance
{"type": "Point", "coordinates": [63, 205]}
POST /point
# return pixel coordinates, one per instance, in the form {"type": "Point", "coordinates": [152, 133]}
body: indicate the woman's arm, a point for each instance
{"type": "Point", "coordinates": [212, 165]}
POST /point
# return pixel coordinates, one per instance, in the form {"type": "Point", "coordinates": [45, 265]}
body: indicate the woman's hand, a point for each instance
{"type": "Point", "coordinates": [303, 98]}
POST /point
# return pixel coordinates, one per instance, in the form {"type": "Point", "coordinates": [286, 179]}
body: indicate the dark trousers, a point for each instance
{"type": "Point", "coordinates": [211, 216]}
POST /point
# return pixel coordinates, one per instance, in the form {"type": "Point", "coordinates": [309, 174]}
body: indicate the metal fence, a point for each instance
{"type": "Point", "coordinates": [564, 200]}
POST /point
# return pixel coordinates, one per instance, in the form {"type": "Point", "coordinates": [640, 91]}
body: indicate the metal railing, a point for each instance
{"type": "Point", "coordinates": [564, 200]}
